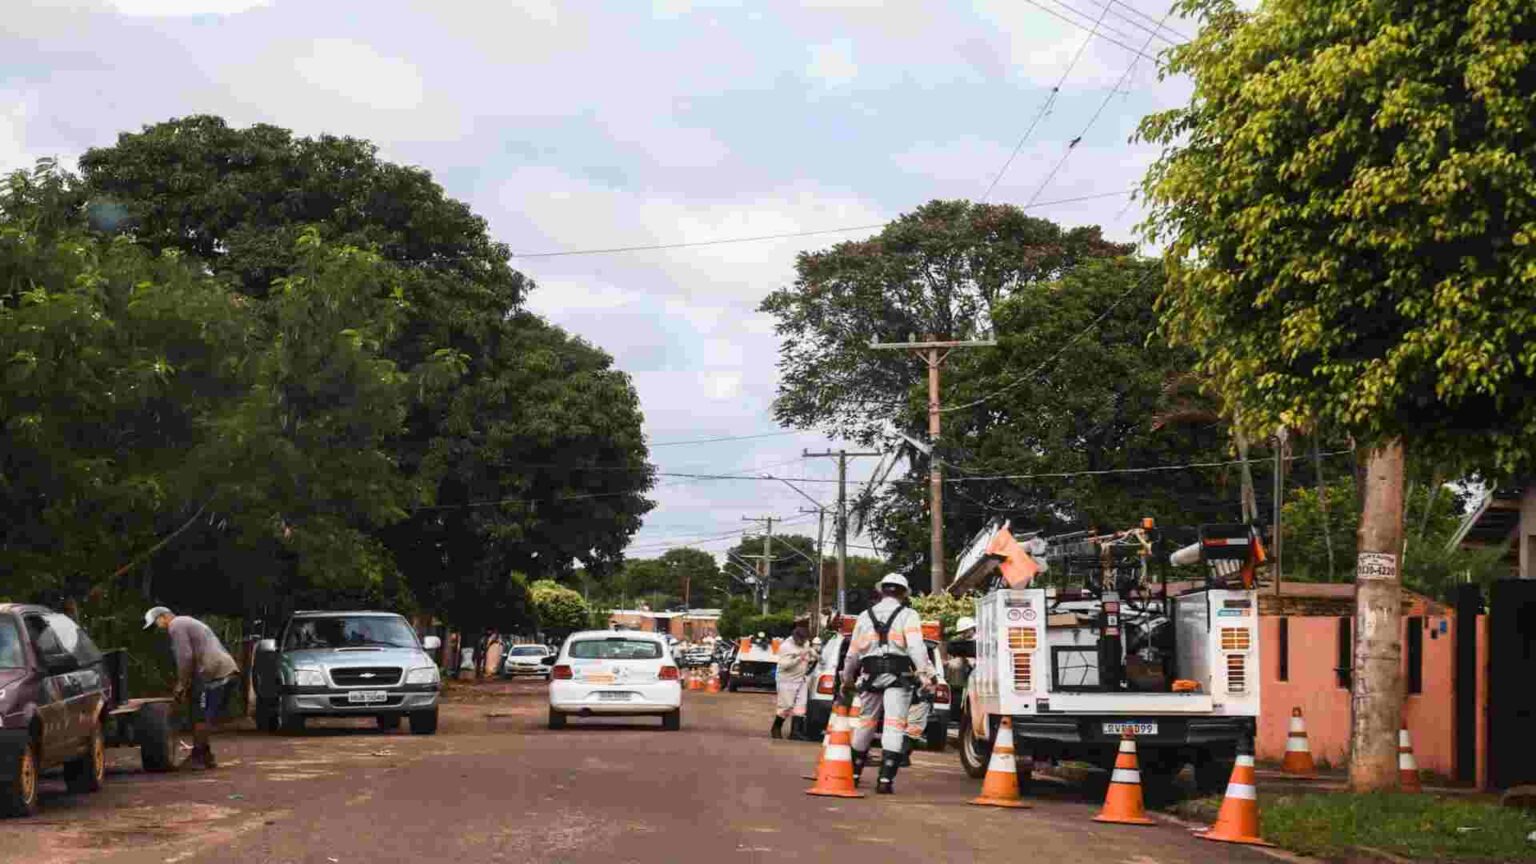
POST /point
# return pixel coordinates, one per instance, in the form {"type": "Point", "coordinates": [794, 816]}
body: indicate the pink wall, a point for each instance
{"type": "Point", "coordinates": [1313, 686]}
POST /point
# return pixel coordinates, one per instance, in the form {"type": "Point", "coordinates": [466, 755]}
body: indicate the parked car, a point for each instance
{"type": "Point", "coordinates": [612, 672]}
{"type": "Point", "coordinates": [347, 664]}
{"type": "Point", "coordinates": [53, 694]}
{"type": "Point", "coordinates": [525, 660]}
{"type": "Point", "coordinates": [755, 664]}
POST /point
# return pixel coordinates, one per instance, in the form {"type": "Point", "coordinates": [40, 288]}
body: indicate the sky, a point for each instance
{"type": "Point", "coordinates": [582, 126]}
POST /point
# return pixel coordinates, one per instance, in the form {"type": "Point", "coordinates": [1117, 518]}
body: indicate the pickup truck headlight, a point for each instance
{"type": "Point", "coordinates": [308, 678]}
{"type": "Point", "coordinates": [424, 675]}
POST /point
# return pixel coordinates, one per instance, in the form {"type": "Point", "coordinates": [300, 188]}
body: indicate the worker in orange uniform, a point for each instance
{"type": "Point", "coordinates": [888, 659]}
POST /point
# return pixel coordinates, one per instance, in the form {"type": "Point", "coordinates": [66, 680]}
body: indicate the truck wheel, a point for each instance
{"type": "Point", "coordinates": [266, 715]}
{"type": "Point", "coordinates": [937, 737]}
{"type": "Point", "coordinates": [1212, 773]}
{"type": "Point", "coordinates": [556, 719]}
{"type": "Point", "coordinates": [290, 724]}
{"type": "Point", "coordinates": [672, 720]}
{"type": "Point", "coordinates": [388, 722]}
{"type": "Point", "coordinates": [734, 687]}
{"type": "Point", "coordinates": [157, 743]}
{"type": "Point", "coordinates": [424, 722]}
{"type": "Point", "coordinates": [1159, 774]}
{"type": "Point", "coordinates": [87, 773]}
{"type": "Point", "coordinates": [18, 796]}
{"type": "Point", "coordinates": [974, 753]}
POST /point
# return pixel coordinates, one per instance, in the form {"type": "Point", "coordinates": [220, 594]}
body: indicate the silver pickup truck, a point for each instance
{"type": "Point", "coordinates": [346, 664]}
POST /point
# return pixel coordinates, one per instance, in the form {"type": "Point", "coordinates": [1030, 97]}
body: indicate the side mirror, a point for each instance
{"type": "Point", "coordinates": [60, 664]}
{"type": "Point", "coordinates": [431, 643]}
{"type": "Point", "coordinates": [266, 646]}
{"type": "Point", "coordinates": [547, 660]}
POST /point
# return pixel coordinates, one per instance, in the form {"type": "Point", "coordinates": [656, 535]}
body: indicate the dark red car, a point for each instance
{"type": "Point", "coordinates": [54, 690]}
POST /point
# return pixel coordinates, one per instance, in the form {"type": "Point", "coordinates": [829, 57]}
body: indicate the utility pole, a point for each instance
{"type": "Point", "coordinates": [766, 569]}
{"type": "Point", "coordinates": [934, 351]}
{"type": "Point", "coordinates": [842, 518]}
{"type": "Point", "coordinates": [821, 518]}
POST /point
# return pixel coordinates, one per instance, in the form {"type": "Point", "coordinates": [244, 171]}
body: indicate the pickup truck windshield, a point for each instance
{"type": "Point", "coordinates": [11, 656]}
{"type": "Point", "coordinates": [349, 631]}
{"type": "Point", "coordinates": [616, 649]}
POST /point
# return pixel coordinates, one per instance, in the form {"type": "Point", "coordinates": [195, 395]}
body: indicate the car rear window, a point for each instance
{"type": "Point", "coordinates": [11, 656]}
{"type": "Point", "coordinates": [616, 649]}
{"type": "Point", "coordinates": [533, 651]}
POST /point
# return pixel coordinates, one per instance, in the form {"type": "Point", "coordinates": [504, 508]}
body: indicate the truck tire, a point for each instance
{"type": "Point", "coordinates": [936, 737]}
{"type": "Point", "coordinates": [424, 722]}
{"type": "Point", "coordinates": [734, 687]}
{"type": "Point", "coordinates": [672, 720]}
{"type": "Point", "coordinates": [266, 715]}
{"type": "Point", "coordinates": [290, 724]}
{"type": "Point", "coordinates": [1159, 775]}
{"type": "Point", "coordinates": [974, 753]}
{"type": "Point", "coordinates": [87, 773]}
{"type": "Point", "coordinates": [18, 796]}
{"type": "Point", "coordinates": [1212, 771]}
{"type": "Point", "coordinates": [387, 722]}
{"type": "Point", "coordinates": [556, 719]}
{"type": "Point", "coordinates": [157, 741]}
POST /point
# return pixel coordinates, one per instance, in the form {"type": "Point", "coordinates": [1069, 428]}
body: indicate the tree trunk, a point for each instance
{"type": "Point", "coordinates": [1376, 702]}
{"type": "Point", "coordinates": [1250, 503]}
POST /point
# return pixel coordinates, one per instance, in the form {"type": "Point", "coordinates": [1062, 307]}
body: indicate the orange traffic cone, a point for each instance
{"type": "Point", "coordinates": [1000, 788]}
{"type": "Point", "coordinates": [711, 682]}
{"type": "Point", "coordinates": [1298, 753]}
{"type": "Point", "coordinates": [838, 720]}
{"type": "Point", "coordinates": [694, 682]}
{"type": "Point", "coordinates": [1407, 766]}
{"type": "Point", "coordinates": [1238, 819]}
{"type": "Point", "coordinates": [834, 776]}
{"type": "Point", "coordinates": [1122, 804]}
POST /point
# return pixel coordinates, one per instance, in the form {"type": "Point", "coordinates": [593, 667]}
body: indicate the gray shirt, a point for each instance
{"type": "Point", "coordinates": [198, 651]}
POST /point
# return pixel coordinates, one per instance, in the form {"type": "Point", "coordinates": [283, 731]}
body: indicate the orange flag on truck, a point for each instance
{"type": "Point", "coordinates": [1017, 566]}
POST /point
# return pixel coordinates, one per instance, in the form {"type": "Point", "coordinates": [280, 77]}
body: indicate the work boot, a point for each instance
{"type": "Point", "coordinates": [860, 759]}
{"type": "Point", "coordinates": [198, 758]}
{"type": "Point", "coordinates": [889, 763]}
{"type": "Point", "coordinates": [797, 729]}
{"type": "Point", "coordinates": [778, 728]}
{"type": "Point", "coordinates": [906, 752]}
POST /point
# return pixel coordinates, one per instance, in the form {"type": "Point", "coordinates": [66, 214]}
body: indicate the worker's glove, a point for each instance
{"type": "Point", "coordinates": [849, 691]}
{"type": "Point", "coordinates": [178, 693]}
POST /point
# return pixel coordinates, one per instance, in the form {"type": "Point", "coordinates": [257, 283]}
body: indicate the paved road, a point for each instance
{"type": "Point", "coordinates": [495, 785]}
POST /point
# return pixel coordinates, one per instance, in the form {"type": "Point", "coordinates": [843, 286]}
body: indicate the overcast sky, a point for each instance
{"type": "Point", "coordinates": [576, 126]}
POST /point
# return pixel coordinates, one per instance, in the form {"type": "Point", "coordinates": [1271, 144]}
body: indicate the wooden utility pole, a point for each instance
{"type": "Point", "coordinates": [1376, 694]}
{"type": "Point", "coordinates": [765, 569]}
{"type": "Point", "coordinates": [934, 351]}
{"type": "Point", "coordinates": [821, 525]}
{"type": "Point", "coordinates": [842, 518]}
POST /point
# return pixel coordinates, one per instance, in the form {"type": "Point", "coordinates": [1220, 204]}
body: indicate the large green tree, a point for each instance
{"type": "Point", "coordinates": [1348, 204]}
{"type": "Point", "coordinates": [540, 421]}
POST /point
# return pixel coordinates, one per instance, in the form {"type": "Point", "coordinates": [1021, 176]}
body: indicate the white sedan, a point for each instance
{"type": "Point", "coordinates": [614, 673]}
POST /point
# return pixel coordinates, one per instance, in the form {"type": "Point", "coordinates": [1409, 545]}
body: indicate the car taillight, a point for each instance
{"type": "Point", "coordinates": [824, 684]}
{"type": "Point", "coordinates": [941, 693]}
{"type": "Point", "coordinates": [668, 673]}
{"type": "Point", "coordinates": [561, 673]}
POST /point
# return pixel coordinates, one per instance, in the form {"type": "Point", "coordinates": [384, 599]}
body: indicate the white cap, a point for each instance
{"type": "Point", "coordinates": [896, 579]}
{"type": "Point", "coordinates": [965, 623]}
{"type": "Point", "coordinates": [762, 635]}
{"type": "Point", "coordinates": [154, 613]}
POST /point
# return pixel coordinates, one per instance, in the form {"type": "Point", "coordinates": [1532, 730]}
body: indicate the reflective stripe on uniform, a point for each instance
{"type": "Point", "coordinates": [1242, 790]}
{"type": "Point", "coordinates": [1125, 775]}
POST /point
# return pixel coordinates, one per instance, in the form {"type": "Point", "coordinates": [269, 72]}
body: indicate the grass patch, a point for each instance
{"type": "Point", "coordinates": [1421, 827]}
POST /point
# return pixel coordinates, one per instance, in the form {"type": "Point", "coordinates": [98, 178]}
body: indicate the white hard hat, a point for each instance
{"type": "Point", "coordinates": [762, 635]}
{"type": "Point", "coordinates": [965, 623]}
{"type": "Point", "coordinates": [153, 615]}
{"type": "Point", "coordinates": [896, 579]}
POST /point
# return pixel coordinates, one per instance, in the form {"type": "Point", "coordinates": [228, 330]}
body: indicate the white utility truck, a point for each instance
{"type": "Point", "coordinates": [1076, 641]}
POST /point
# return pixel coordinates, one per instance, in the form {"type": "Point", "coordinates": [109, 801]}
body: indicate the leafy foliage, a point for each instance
{"type": "Point", "coordinates": [559, 609]}
{"type": "Point", "coordinates": [944, 608]}
{"type": "Point", "coordinates": [1348, 204]}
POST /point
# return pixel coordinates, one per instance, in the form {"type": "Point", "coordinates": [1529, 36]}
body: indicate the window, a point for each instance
{"type": "Point", "coordinates": [44, 640]}
{"type": "Point", "coordinates": [72, 639]}
{"type": "Point", "coordinates": [1415, 655]}
{"type": "Point", "coordinates": [616, 649]}
{"type": "Point", "coordinates": [1284, 672]}
{"type": "Point", "coordinates": [1345, 653]}
{"type": "Point", "coordinates": [11, 654]}
{"type": "Point", "coordinates": [347, 631]}
{"type": "Point", "coordinates": [529, 651]}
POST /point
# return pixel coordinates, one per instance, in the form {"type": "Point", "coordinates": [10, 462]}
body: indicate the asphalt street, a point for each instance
{"type": "Point", "coordinates": [495, 785]}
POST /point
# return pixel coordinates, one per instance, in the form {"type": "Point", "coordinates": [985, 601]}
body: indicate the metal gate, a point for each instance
{"type": "Point", "coordinates": [1511, 669]}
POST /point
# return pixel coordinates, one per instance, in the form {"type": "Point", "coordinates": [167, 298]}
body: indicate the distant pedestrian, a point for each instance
{"type": "Point", "coordinates": [796, 659]}
{"type": "Point", "coordinates": [205, 675]}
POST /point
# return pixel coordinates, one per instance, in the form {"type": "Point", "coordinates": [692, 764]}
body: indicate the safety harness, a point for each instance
{"type": "Point", "coordinates": [885, 669]}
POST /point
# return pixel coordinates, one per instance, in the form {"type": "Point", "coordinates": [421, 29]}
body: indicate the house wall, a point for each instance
{"type": "Point", "coordinates": [1313, 686]}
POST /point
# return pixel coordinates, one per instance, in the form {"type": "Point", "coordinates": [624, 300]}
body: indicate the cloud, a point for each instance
{"type": "Point", "coordinates": [182, 8]}
{"type": "Point", "coordinates": [14, 153]}
{"type": "Point", "coordinates": [832, 63]}
{"type": "Point", "coordinates": [361, 75]}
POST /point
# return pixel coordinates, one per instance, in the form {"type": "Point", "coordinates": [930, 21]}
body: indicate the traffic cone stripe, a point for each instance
{"type": "Point", "coordinates": [1402, 738]}
{"type": "Point", "coordinates": [1127, 745]}
{"type": "Point", "coordinates": [1294, 744]}
{"type": "Point", "coordinates": [1298, 726]}
{"type": "Point", "coordinates": [1243, 791]}
{"type": "Point", "coordinates": [839, 752]}
{"type": "Point", "coordinates": [1126, 775]}
{"type": "Point", "coordinates": [1244, 762]}
{"type": "Point", "coordinates": [1405, 762]}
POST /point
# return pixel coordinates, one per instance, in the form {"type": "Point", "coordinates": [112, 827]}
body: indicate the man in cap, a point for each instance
{"type": "Point", "coordinates": [888, 658]}
{"type": "Point", "coordinates": [796, 659]}
{"type": "Point", "coordinates": [204, 672]}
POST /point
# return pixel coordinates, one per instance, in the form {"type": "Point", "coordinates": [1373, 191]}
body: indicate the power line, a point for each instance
{"type": "Point", "coordinates": [1156, 24]}
{"type": "Point", "coordinates": [727, 438]}
{"type": "Point", "coordinates": [1044, 8]}
{"type": "Point", "coordinates": [1045, 108]}
{"type": "Point", "coordinates": [782, 236]}
{"type": "Point", "coordinates": [1072, 145]}
{"type": "Point", "coordinates": [1121, 34]}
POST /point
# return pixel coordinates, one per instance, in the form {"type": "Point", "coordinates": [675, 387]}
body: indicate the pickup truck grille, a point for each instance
{"type": "Point", "coordinates": [366, 676]}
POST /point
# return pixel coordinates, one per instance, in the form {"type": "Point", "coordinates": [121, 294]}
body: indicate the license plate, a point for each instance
{"type": "Point", "coordinates": [612, 697]}
{"type": "Point", "coordinates": [598, 678]}
{"type": "Point", "coordinates": [1138, 728]}
{"type": "Point", "coordinates": [367, 697]}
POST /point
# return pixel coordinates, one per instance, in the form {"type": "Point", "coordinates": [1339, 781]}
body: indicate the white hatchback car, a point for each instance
{"type": "Point", "coordinates": [615, 673]}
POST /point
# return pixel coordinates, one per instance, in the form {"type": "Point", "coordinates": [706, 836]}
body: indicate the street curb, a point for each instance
{"type": "Point", "coordinates": [1277, 854]}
